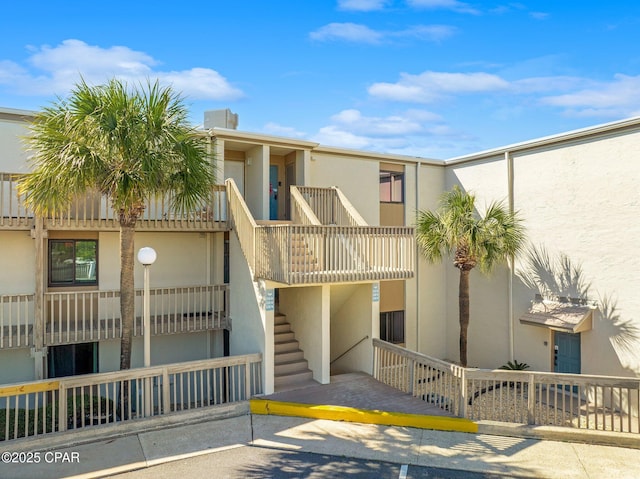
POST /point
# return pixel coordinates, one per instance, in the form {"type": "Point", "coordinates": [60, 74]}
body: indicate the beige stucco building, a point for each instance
{"type": "Point", "coordinates": [306, 253]}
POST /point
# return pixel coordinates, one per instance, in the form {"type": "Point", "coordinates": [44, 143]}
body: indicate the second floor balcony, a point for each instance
{"type": "Point", "coordinates": [87, 316]}
{"type": "Point", "coordinates": [94, 212]}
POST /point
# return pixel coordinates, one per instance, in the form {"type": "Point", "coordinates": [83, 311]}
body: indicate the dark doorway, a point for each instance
{"type": "Point", "coordinates": [72, 359]}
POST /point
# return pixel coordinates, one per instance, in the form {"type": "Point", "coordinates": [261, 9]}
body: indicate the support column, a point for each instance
{"type": "Point", "coordinates": [39, 352]}
{"type": "Point", "coordinates": [267, 311]}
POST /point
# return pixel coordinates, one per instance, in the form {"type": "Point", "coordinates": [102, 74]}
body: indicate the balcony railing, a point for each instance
{"type": "Point", "coordinates": [55, 405]}
{"type": "Point", "coordinates": [294, 254]}
{"type": "Point", "coordinates": [94, 211]}
{"type": "Point", "coordinates": [331, 206]}
{"type": "Point", "coordinates": [580, 401]}
{"type": "Point", "coordinates": [84, 316]}
{"type": "Point", "coordinates": [313, 251]}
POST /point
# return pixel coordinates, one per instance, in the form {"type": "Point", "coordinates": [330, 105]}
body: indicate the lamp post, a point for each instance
{"type": "Point", "coordinates": [147, 256]}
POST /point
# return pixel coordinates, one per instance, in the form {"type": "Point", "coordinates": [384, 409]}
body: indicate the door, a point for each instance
{"type": "Point", "coordinates": [566, 353]}
{"type": "Point", "coordinates": [273, 192]}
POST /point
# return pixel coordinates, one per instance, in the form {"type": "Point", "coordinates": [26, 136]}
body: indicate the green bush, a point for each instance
{"type": "Point", "coordinates": [50, 411]}
{"type": "Point", "coordinates": [515, 366]}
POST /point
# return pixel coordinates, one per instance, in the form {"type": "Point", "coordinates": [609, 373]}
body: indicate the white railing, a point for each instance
{"type": "Point", "coordinates": [94, 211]}
{"type": "Point", "coordinates": [242, 222]}
{"type": "Point", "coordinates": [13, 213]}
{"type": "Point", "coordinates": [55, 405]}
{"type": "Point", "coordinates": [81, 316]}
{"type": "Point", "coordinates": [331, 206]}
{"type": "Point", "coordinates": [535, 398]}
{"type": "Point", "coordinates": [294, 254]}
{"type": "Point", "coordinates": [301, 212]}
{"type": "Point", "coordinates": [16, 320]}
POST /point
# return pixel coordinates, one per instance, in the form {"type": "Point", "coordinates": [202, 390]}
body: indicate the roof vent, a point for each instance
{"type": "Point", "coordinates": [221, 119]}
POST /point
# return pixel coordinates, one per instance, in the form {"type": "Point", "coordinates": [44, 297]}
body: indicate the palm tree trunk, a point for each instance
{"type": "Point", "coordinates": [463, 308]}
{"type": "Point", "coordinates": [127, 293]}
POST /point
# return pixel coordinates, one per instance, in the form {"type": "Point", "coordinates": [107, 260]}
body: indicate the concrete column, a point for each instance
{"type": "Point", "coordinates": [267, 312]}
{"type": "Point", "coordinates": [324, 375]}
{"type": "Point", "coordinates": [257, 181]}
{"type": "Point", "coordinates": [39, 351]}
{"type": "Point", "coordinates": [303, 167]}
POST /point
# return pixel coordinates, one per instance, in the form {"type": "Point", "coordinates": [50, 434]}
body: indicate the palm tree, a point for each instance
{"type": "Point", "coordinates": [456, 229]}
{"type": "Point", "coordinates": [127, 143]}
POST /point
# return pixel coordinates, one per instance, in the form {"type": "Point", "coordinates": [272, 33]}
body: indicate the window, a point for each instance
{"type": "Point", "coordinates": [391, 187]}
{"type": "Point", "coordinates": [392, 327]}
{"type": "Point", "coordinates": [73, 262]}
{"type": "Point", "coordinates": [72, 359]}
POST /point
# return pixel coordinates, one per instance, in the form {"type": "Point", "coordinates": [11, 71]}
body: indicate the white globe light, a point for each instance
{"type": "Point", "coordinates": [147, 256]}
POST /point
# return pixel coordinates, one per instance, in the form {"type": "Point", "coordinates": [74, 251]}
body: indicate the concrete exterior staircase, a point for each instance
{"type": "Point", "coordinates": [291, 368]}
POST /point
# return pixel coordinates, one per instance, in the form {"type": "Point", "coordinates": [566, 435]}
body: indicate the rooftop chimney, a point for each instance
{"type": "Point", "coordinates": [221, 119]}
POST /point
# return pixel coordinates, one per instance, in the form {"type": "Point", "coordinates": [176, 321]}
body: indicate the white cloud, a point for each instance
{"type": "Point", "coordinates": [407, 132]}
{"type": "Point", "coordinates": [620, 97]}
{"type": "Point", "coordinates": [539, 15]}
{"type": "Point", "coordinates": [428, 32]}
{"type": "Point", "coordinates": [454, 5]}
{"type": "Point", "coordinates": [55, 70]}
{"type": "Point", "coordinates": [357, 33]}
{"type": "Point", "coordinates": [394, 125]}
{"type": "Point", "coordinates": [430, 86]}
{"type": "Point", "coordinates": [362, 5]}
{"type": "Point", "coordinates": [272, 128]}
{"type": "Point", "coordinates": [350, 32]}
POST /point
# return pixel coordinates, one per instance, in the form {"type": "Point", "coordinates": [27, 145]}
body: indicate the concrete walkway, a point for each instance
{"type": "Point", "coordinates": [514, 457]}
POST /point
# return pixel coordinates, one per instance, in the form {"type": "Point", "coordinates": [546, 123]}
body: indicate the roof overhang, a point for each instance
{"type": "Point", "coordinates": [558, 316]}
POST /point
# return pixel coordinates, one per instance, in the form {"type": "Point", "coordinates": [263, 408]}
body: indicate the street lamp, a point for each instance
{"type": "Point", "coordinates": [146, 256]}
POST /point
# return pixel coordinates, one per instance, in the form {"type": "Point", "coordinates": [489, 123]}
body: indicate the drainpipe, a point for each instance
{"type": "Point", "coordinates": [417, 261]}
{"type": "Point", "coordinates": [509, 161]}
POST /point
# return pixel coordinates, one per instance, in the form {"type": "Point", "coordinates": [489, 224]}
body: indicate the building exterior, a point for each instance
{"type": "Point", "coordinates": [306, 252]}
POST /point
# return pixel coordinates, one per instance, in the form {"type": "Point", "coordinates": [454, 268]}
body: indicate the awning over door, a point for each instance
{"type": "Point", "coordinates": [566, 317]}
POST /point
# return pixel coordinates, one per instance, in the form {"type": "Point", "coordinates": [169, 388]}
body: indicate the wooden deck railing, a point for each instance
{"type": "Point", "coordinates": [331, 206]}
{"type": "Point", "coordinates": [56, 405]}
{"type": "Point", "coordinates": [93, 211]}
{"type": "Point", "coordinates": [602, 403]}
{"type": "Point", "coordinates": [242, 222]}
{"type": "Point", "coordinates": [16, 320]}
{"type": "Point", "coordinates": [301, 212]}
{"type": "Point", "coordinates": [299, 254]}
{"type": "Point", "coordinates": [83, 316]}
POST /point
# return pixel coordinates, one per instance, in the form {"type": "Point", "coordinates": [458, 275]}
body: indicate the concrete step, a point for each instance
{"type": "Point", "coordinates": [281, 328]}
{"type": "Point", "coordinates": [279, 319]}
{"type": "Point", "coordinates": [291, 380]}
{"type": "Point", "coordinates": [290, 368]}
{"type": "Point", "coordinates": [286, 357]}
{"type": "Point", "coordinates": [286, 347]}
{"type": "Point", "coordinates": [284, 337]}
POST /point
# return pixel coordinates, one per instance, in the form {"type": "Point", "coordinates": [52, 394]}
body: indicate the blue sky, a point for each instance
{"type": "Point", "coordinates": [429, 78]}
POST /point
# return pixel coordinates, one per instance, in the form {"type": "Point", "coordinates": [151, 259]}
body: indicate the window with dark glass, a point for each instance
{"type": "Point", "coordinates": [73, 262]}
{"type": "Point", "coordinates": [392, 326]}
{"type": "Point", "coordinates": [391, 187]}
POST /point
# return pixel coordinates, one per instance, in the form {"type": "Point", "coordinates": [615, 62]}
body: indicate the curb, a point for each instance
{"type": "Point", "coordinates": [349, 414]}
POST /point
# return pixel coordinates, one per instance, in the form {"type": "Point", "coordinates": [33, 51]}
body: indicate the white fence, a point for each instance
{"type": "Point", "coordinates": [536, 398]}
{"type": "Point", "coordinates": [49, 406]}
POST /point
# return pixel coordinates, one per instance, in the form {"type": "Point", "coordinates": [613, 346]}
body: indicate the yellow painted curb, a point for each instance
{"type": "Point", "coordinates": [349, 414]}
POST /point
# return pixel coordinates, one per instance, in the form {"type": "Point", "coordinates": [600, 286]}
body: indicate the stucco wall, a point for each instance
{"type": "Point", "coordinates": [426, 294]}
{"type": "Point", "coordinates": [17, 261]}
{"type": "Point", "coordinates": [581, 200]}
{"type": "Point", "coordinates": [352, 318]}
{"type": "Point", "coordinates": [357, 178]}
{"type": "Point", "coordinates": [182, 259]}
{"type": "Point", "coordinates": [12, 154]}
{"type": "Point", "coordinates": [21, 366]}
{"type": "Point", "coordinates": [307, 310]}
